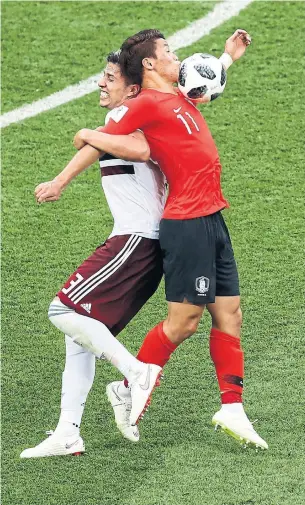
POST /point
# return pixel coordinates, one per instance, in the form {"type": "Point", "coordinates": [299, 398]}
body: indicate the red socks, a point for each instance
{"type": "Point", "coordinates": [156, 348]}
{"type": "Point", "coordinates": [228, 359]}
{"type": "Point", "coordinates": [225, 351]}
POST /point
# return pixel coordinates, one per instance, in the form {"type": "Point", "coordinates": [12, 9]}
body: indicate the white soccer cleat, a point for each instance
{"type": "Point", "coordinates": [122, 407]}
{"type": "Point", "coordinates": [141, 390]}
{"type": "Point", "coordinates": [55, 446]}
{"type": "Point", "coordinates": [238, 426]}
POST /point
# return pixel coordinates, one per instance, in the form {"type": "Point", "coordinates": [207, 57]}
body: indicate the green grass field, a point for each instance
{"type": "Point", "coordinates": [259, 128]}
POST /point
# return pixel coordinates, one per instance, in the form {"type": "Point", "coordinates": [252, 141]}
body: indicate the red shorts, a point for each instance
{"type": "Point", "coordinates": [115, 281]}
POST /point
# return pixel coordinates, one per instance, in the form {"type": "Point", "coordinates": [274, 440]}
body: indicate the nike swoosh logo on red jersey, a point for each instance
{"type": "Point", "coordinates": [177, 110]}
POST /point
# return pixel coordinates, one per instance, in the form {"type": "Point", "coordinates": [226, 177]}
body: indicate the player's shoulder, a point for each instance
{"type": "Point", "coordinates": [145, 97]}
{"type": "Point", "coordinates": [132, 104]}
{"type": "Point", "coordinates": [116, 114]}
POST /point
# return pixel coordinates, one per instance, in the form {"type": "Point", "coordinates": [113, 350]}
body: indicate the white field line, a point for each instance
{"type": "Point", "coordinates": [187, 36]}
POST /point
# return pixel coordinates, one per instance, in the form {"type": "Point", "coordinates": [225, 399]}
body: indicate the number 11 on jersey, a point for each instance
{"type": "Point", "coordinates": [186, 123]}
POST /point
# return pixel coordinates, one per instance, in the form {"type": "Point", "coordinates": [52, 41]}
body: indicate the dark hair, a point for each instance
{"type": "Point", "coordinates": [114, 57]}
{"type": "Point", "coordinates": [134, 49]}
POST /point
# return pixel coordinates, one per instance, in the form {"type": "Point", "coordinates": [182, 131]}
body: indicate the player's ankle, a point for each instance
{"type": "Point", "coordinates": [233, 408]}
{"type": "Point", "coordinates": [66, 429]}
{"type": "Point", "coordinates": [231, 397]}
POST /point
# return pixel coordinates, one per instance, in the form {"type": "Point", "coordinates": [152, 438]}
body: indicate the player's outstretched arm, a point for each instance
{"type": "Point", "coordinates": [235, 47]}
{"type": "Point", "coordinates": [132, 147]}
{"type": "Point", "coordinates": [51, 190]}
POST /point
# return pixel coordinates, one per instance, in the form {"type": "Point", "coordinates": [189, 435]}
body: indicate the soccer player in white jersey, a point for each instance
{"type": "Point", "coordinates": [112, 285]}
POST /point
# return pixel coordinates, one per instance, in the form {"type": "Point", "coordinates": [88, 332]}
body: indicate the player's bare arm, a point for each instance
{"type": "Point", "coordinates": [51, 190]}
{"type": "Point", "coordinates": [235, 47]}
{"type": "Point", "coordinates": [133, 147]}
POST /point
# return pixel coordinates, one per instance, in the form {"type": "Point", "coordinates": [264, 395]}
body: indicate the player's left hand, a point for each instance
{"type": "Point", "coordinates": [237, 44]}
{"type": "Point", "coordinates": [48, 191]}
{"type": "Point", "coordinates": [78, 140]}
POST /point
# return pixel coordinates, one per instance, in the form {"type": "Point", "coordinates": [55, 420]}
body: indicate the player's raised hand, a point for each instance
{"type": "Point", "coordinates": [48, 191]}
{"type": "Point", "coordinates": [236, 44]}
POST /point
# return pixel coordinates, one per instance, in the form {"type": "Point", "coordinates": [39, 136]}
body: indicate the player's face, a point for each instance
{"type": "Point", "coordinates": [113, 87]}
{"type": "Point", "coordinates": [167, 63]}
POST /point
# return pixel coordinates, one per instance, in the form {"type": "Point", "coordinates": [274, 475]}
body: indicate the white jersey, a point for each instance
{"type": "Point", "coordinates": [135, 193]}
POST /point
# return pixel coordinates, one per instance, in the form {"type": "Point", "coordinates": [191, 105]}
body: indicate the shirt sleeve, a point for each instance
{"type": "Point", "coordinates": [133, 115]}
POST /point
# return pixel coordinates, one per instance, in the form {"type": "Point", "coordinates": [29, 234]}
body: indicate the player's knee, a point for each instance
{"type": "Point", "coordinates": [179, 330]}
{"type": "Point", "coordinates": [188, 327]}
{"type": "Point", "coordinates": [191, 325]}
{"type": "Point", "coordinates": [234, 321]}
{"type": "Point", "coordinates": [238, 317]}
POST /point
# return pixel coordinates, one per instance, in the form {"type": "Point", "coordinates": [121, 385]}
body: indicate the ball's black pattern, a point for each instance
{"type": "Point", "coordinates": [197, 92]}
{"type": "Point", "coordinates": [182, 74]}
{"type": "Point", "coordinates": [215, 95]}
{"type": "Point", "coordinates": [205, 71]}
{"type": "Point", "coordinates": [223, 76]}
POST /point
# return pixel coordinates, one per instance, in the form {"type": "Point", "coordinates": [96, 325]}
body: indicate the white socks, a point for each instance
{"type": "Point", "coordinates": [95, 337]}
{"type": "Point", "coordinates": [77, 380]}
{"type": "Point", "coordinates": [233, 408]}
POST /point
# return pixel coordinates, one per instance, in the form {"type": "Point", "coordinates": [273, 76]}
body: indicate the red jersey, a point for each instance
{"type": "Point", "coordinates": [181, 143]}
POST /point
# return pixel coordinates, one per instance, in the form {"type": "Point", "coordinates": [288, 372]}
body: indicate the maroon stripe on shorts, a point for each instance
{"type": "Point", "coordinates": [117, 169]}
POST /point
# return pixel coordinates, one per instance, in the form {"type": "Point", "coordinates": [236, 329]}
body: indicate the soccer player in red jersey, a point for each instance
{"type": "Point", "coordinates": [198, 260]}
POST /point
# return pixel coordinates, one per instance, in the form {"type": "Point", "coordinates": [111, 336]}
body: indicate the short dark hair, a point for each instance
{"type": "Point", "coordinates": [114, 57]}
{"type": "Point", "coordinates": [134, 50]}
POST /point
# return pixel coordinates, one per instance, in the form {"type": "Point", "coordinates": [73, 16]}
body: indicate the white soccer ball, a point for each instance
{"type": "Point", "coordinates": [202, 76]}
